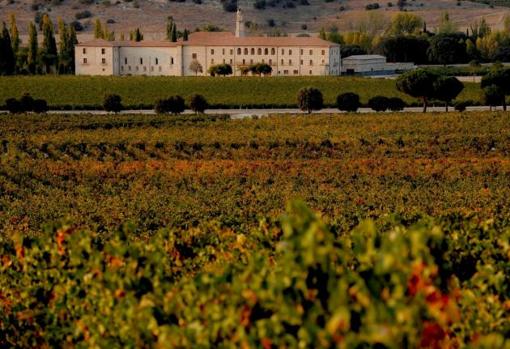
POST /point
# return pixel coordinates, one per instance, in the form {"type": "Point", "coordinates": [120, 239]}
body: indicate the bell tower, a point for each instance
{"type": "Point", "coordinates": [239, 24]}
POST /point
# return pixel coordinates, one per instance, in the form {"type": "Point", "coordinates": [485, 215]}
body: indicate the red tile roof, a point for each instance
{"type": "Point", "coordinates": [219, 39]}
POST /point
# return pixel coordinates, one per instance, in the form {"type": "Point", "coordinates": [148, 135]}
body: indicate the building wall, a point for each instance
{"type": "Point", "coordinates": [95, 61]}
{"type": "Point", "coordinates": [286, 61]}
{"type": "Point", "coordinates": [151, 61]}
{"type": "Point", "coordinates": [364, 65]}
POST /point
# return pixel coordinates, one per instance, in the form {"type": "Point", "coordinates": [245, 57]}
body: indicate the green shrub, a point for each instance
{"type": "Point", "coordinates": [309, 99]}
{"type": "Point", "coordinates": [379, 103]}
{"type": "Point", "coordinates": [198, 103]}
{"type": "Point", "coordinates": [112, 103]}
{"type": "Point", "coordinates": [348, 101]}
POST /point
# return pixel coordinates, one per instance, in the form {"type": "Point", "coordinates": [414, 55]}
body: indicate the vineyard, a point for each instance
{"type": "Point", "coordinates": [321, 231]}
{"type": "Point", "coordinates": [142, 92]}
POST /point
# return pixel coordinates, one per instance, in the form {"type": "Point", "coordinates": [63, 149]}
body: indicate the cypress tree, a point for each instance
{"type": "Point", "coordinates": [98, 30]}
{"type": "Point", "coordinates": [174, 33]}
{"type": "Point", "coordinates": [72, 41]}
{"type": "Point", "coordinates": [7, 59]}
{"type": "Point", "coordinates": [15, 40]}
{"type": "Point", "coordinates": [49, 45]}
{"type": "Point", "coordinates": [169, 27]}
{"type": "Point", "coordinates": [33, 48]}
{"type": "Point", "coordinates": [185, 35]}
{"type": "Point", "coordinates": [136, 35]}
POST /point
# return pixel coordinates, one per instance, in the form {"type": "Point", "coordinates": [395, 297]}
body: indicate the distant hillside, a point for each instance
{"type": "Point", "coordinates": [494, 2]}
{"type": "Point", "coordinates": [262, 16]}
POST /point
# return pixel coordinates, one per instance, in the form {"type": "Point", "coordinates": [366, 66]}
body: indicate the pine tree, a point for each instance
{"type": "Point", "coordinates": [7, 58]}
{"type": "Point", "coordinates": [33, 48]}
{"type": "Point", "coordinates": [174, 33]}
{"type": "Point", "coordinates": [49, 53]}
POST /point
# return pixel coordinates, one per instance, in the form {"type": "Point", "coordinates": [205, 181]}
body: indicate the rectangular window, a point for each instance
{"type": "Point", "coordinates": [194, 55]}
{"type": "Point", "coordinates": [290, 61]}
{"type": "Point", "coordinates": [223, 51]}
{"type": "Point", "coordinates": [301, 51]}
{"type": "Point", "coordinates": [103, 60]}
{"type": "Point", "coordinates": [231, 61]}
{"type": "Point", "coordinates": [270, 62]}
{"type": "Point", "coordinates": [296, 72]}
{"type": "Point", "coordinates": [157, 61]}
{"type": "Point", "coordinates": [290, 52]}
{"type": "Point", "coordinates": [231, 51]}
{"type": "Point", "coordinates": [285, 72]}
{"type": "Point", "coordinates": [212, 51]}
{"type": "Point", "coordinates": [103, 51]}
{"type": "Point", "coordinates": [212, 61]}
{"type": "Point", "coordinates": [125, 60]}
{"type": "Point", "coordinates": [301, 62]}
{"type": "Point", "coordinates": [141, 60]}
{"type": "Point", "coordinates": [311, 52]}
{"type": "Point", "coordinates": [323, 52]}
{"type": "Point", "coordinates": [84, 51]}
{"type": "Point", "coordinates": [129, 68]}
{"type": "Point", "coordinates": [283, 63]}
{"type": "Point", "coordinates": [84, 60]}
{"type": "Point", "coordinates": [283, 51]}
{"type": "Point", "coordinates": [311, 62]}
{"type": "Point", "coordinates": [171, 60]}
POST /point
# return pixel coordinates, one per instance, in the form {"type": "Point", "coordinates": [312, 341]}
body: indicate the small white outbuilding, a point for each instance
{"type": "Point", "coordinates": [372, 65]}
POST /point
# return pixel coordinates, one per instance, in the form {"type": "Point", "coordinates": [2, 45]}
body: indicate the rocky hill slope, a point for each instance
{"type": "Point", "coordinates": [264, 16]}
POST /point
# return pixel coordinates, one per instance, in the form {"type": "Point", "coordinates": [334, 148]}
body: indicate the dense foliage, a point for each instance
{"type": "Point", "coordinates": [142, 92]}
{"type": "Point", "coordinates": [167, 231]}
{"type": "Point", "coordinates": [299, 283]}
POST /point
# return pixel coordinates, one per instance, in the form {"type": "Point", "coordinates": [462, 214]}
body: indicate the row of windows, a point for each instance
{"type": "Point", "coordinates": [103, 51]}
{"type": "Point", "coordinates": [239, 51]}
{"type": "Point", "coordinates": [156, 60]}
{"type": "Point", "coordinates": [270, 62]}
{"type": "Point", "coordinates": [85, 60]}
{"type": "Point", "coordinates": [137, 68]}
{"type": "Point", "coordinates": [266, 51]}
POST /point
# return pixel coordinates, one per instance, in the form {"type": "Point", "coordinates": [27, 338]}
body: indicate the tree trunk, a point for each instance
{"type": "Point", "coordinates": [504, 104]}
{"type": "Point", "coordinates": [424, 105]}
{"type": "Point", "coordinates": [446, 104]}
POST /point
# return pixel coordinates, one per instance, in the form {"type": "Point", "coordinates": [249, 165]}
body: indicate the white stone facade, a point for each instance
{"type": "Point", "coordinates": [288, 56]}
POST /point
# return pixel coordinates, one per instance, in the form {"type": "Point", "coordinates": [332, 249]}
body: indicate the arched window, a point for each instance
{"type": "Point", "coordinates": [266, 51]}
{"type": "Point", "coordinates": [273, 51]}
{"type": "Point", "coordinates": [253, 51]}
{"type": "Point", "coordinates": [245, 50]}
{"type": "Point", "coordinates": [259, 51]}
{"type": "Point", "coordinates": [238, 50]}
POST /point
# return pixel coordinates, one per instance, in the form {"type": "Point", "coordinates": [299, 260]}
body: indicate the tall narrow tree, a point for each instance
{"type": "Point", "coordinates": [49, 53]}
{"type": "Point", "coordinates": [15, 40]}
{"type": "Point", "coordinates": [169, 27]}
{"type": "Point", "coordinates": [174, 33]}
{"type": "Point", "coordinates": [98, 30]}
{"type": "Point", "coordinates": [33, 48]}
{"type": "Point", "coordinates": [7, 59]}
{"type": "Point", "coordinates": [185, 35]}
